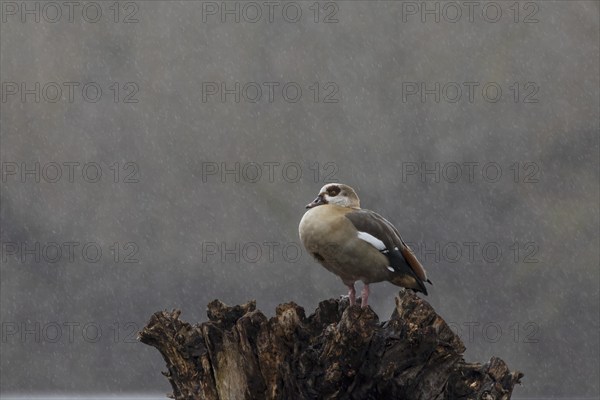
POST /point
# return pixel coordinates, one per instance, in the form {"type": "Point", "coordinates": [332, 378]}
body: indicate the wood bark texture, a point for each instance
{"type": "Point", "coordinates": [338, 352]}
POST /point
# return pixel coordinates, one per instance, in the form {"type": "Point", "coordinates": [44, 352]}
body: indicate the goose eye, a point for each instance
{"type": "Point", "coordinates": [333, 191]}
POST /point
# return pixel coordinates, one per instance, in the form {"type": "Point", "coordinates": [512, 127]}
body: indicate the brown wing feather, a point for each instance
{"type": "Point", "coordinates": [407, 253]}
{"type": "Point", "coordinates": [377, 226]}
{"type": "Point", "coordinates": [414, 263]}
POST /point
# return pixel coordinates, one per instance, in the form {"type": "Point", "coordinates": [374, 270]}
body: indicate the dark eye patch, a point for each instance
{"type": "Point", "coordinates": [333, 191]}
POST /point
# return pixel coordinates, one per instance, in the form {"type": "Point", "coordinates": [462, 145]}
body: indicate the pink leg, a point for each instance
{"type": "Point", "coordinates": [365, 296]}
{"type": "Point", "coordinates": [352, 294]}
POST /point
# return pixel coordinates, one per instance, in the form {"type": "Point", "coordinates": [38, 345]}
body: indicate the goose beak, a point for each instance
{"type": "Point", "coordinates": [316, 202]}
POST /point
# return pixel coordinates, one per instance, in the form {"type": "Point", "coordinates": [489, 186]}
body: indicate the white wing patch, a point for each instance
{"type": "Point", "coordinates": [372, 240]}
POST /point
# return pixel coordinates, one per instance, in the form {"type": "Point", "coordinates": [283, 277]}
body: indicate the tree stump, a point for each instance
{"type": "Point", "coordinates": [339, 352]}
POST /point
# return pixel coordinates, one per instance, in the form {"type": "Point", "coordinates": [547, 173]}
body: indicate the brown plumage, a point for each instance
{"type": "Point", "coordinates": [357, 244]}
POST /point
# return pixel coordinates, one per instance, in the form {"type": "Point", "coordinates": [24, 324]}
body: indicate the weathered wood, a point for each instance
{"type": "Point", "coordinates": [339, 352]}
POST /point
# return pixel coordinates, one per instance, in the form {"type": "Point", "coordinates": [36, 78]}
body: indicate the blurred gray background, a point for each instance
{"type": "Point", "coordinates": [195, 232]}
